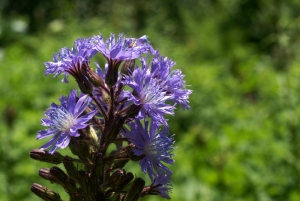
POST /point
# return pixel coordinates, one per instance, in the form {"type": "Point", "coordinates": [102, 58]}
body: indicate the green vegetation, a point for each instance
{"type": "Point", "coordinates": [241, 139]}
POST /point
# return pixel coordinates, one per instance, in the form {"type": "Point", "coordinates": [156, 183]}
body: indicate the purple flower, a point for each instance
{"type": "Point", "coordinates": [67, 59]}
{"type": "Point", "coordinates": [162, 185]}
{"type": "Point", "coordinates": [122, 49]}
{"type": "Point", "coordinates": [149, 94]}
{"type": "Point", "coordinates": [117, 51]}
{"type": "Point", "coordinates": [64, 121]}
{"type": "Point", "coordinates": [170, 81]}
{"type": "Point", "coordinates": [155, 146]}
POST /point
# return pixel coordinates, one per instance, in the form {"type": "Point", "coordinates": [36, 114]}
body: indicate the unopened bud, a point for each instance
{"type": "Point", "coordinates": [78, 73]}
{"type": "Point", "coordinates": [42, 155]}
{"type": "Point", "coordinates": [63, 179]}
{"type": "Point", "coordinates": [135, 190]}
{"type": "Point", "coordinates": [94, 78]}
{"type": "Point", "coordinates": [119, 180]}
{"type": "Point", "coordinates": [84, 85]}
{"type": "Point", "coordinates": [44, 193]}
{"type": "Point", "coordinates": [74, 147]}
{"type": "Point", "coordinates": [123, 181]}
{"type": "Point", "coordinates": [128, 67]}
{"type": "Point", "coordinates": [83, 180]}
{"type": "Point", "coordinates": [45, 173]}
{"type": "Point", "coordinates": [115, 127]}
{"type": "Point", "coordinates": [119, 158]}
{"type": "Point", "coordinates": [112, 73]}
{"type": "Point", "coordinates": [131, 111]}
{"type": "Point", "coordinates": [70, 168]}
{"type": "Point", "coordinates": [82, 148]}
{"type": "Point", "coordinates": [110, 182]}
{"type": "Point", "coordinates": [119, 163]}
{"type": "Point", "coordinates": [98, 168]}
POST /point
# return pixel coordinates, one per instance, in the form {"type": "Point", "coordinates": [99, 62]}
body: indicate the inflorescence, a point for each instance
{"type": "Point", "coordinates": [123, 104]}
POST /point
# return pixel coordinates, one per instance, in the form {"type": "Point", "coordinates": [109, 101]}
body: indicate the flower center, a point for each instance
{"type": "Point", "coordinates": [157, 147]}
{"type": "Point", "coordinates": [63, 120]}
{"type": "Point", "coordinates": [151, 94]}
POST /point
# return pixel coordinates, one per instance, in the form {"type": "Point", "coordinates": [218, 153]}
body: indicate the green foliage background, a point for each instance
{"type": "Point", "coordinates": [240, 141]}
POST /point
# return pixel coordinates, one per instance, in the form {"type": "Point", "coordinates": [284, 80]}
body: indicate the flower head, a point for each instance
{"type": "Point", "coordinates": [118, 51]}
{"type": "Point", "coordinates": [170, 81]}
{"type": "Point", "coordinates": [155, 146]}
{"type": "Point", "coordinates": [122, 49]}
{"type": "Point", "coordinates": [67, 59]}
{"type": "Point", "coordinates": [64, 121]}
{"type": "Point", "coordinates": [162, 185]}
{"type": "Point", "coordinates": [148, 93]}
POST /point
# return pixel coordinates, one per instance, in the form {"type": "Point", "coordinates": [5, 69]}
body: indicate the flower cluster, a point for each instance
{"type": "Point", "coordinates": [124, 104]}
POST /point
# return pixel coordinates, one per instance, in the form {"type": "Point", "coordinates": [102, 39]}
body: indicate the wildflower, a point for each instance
{"type": "Point", "coordinates": [170, 81]}
{"type": "Point", "coordinates": [117, 51]}
{"type": "Point", "coordinates": [67, 59]}
{"type": "Point", "coordinates": [148, 93]}
{"type": "Point", "coordinates": [126, 104]}
{"type": "Point", "coordinates": [64, 121]}
{"type": "Point", "coordinates": [162, 185]}
{"type": "Point", "coordinates": [154, 146]}
{"type": "Point", "coordinates": [122, 49]}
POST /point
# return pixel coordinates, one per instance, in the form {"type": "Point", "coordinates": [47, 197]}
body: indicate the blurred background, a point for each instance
{"type": "Point", "coordinates": [240, 141]}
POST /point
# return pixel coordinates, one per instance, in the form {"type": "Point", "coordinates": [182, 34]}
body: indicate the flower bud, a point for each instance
{"type": "Point", "coordinates": [110, 182]}
{"type": "Point", "coordinates": [97, 171]}
{"type": "Point", "coordinates": [63, 179]}
{"type": "Point", "coordinates": [84, 85]}
{"type": "Point", "coordinates": [128, 67]}
{"type": "Point", "coordinates": [70, 168]}
{"type": "Point", "coordinates": [83, 180]}
{"type": "Point", "coordinates": [131, 111]}
{"type": "Point", "coordinates": [119, 180]}
{"type": "Point", "coordinates": [42, 155]}
{"type": "Point", "coordinates": [78, 73]}
{"type": "Point", "coordinates": [119, 158]}
{"type": "Point", "coordinates": [45, 173]}
{"type": "Point", "coordinates": [44, 193]}
{"type": "Point", "coordinates": [119, 163]}
{"type": "Point", "coordinates": [135, 190]}
{"type": "Point", "coordinates": [93, 77]}
{"type": "Point", "coordinates": [82, 148]}
{"type": "Point", "coordinates": [74, 147]}
{"type": "Point", "coordinates": [122, 182]}
{"type": "Point", "coordinates": [115, 127]}
{"type": "Point", "coordinates": [112, 73]}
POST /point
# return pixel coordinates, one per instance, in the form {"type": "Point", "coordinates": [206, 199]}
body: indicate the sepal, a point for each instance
{"type": "Point", "coordinates": [135, 190]}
